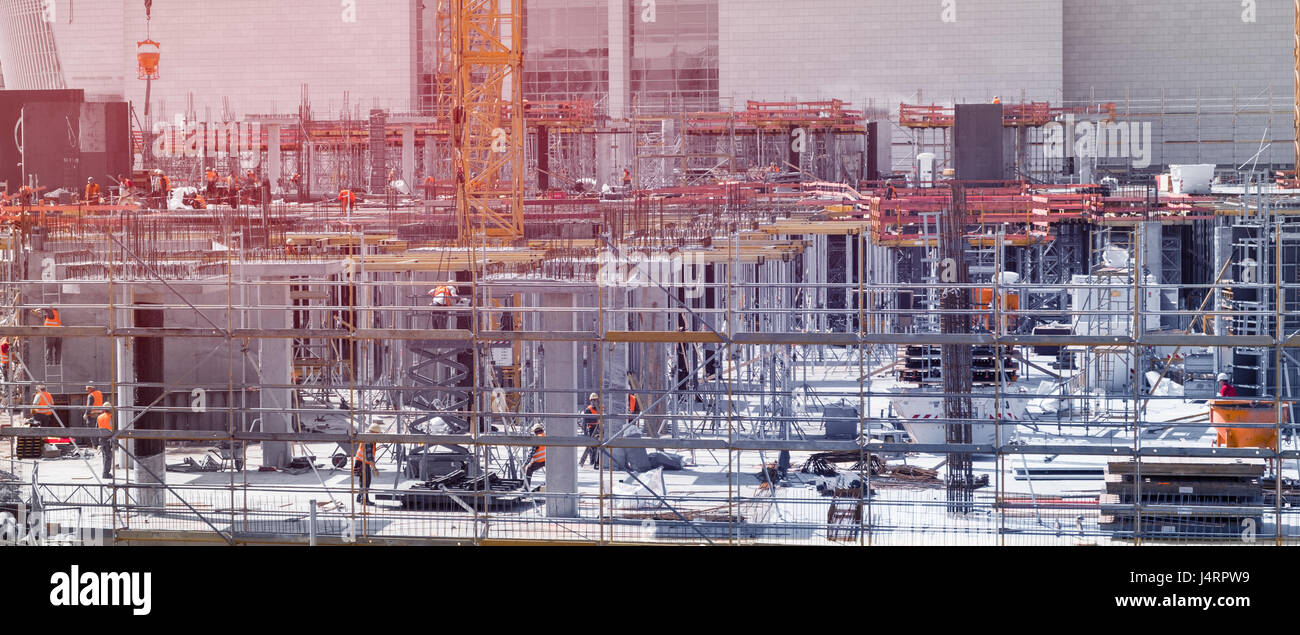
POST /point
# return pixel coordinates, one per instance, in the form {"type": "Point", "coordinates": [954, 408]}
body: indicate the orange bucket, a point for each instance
{"type": "Point", "coordinates": [147, 56]}
{"type": "Point", "coordinates": [1230, 411]}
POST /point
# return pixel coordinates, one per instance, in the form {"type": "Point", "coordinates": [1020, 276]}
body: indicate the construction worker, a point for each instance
{"type": "Point", "coordinates": [4, 359]}
{"type": "Point", "coordinates": [997, 99]}
{"type": "Point", "coordinates": [591, 428]}
{"type": "Point", "coordinates": [211, 179]}
{"type": "Point", "coordinates": [158, 188]}
{"type": "Point", "coordinates": [627, 178]}
{"type": "Point", "coordinates": [94, 399]}
{"type": "Point", "coordinates": [1225, 388]}
{"type": "Point", "coordinates": [537, 458]}
{"type": "Point", "coordinates": [633, 406]}
{"type": "Point", "coordinates": [53, 345]}
{"type": "Point", "coordinates": [106, 446]}
{"type": "Point", "coordinates": [124, 186]}
{"type": "Point", "coordinates": [348, 200]}
{"type": "Point", "coordinates": [430, 187]}
{"type": "Point", "coordinates": [43, 412]}
{"type": "Point", "coordinates": [362, 464]}
{"type": "Point", "coordinates": [92, 192]}
{"type": "Point", "coordinates": [443, 295]}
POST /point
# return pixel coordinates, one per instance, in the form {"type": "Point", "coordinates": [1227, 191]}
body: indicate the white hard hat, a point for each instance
{"type": "Point", "coordinates": [593, 397]}
{"type": "Point", "coordinates": [1223, 376]}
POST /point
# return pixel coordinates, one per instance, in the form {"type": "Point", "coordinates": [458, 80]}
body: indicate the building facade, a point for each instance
{"type": "Point", "coordinates": [1213, 79]}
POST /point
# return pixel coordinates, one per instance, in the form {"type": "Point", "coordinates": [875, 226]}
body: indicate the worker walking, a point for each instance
{"type": "Point", "coordinates": [362, 464]}
{"type": "Point", "coordinates": [1225, 388]}
{"type": "Point", "coordinates": [43, 412]}
{"type": "Point", "coordinates": [627, 178]}
{"type": "Point", "coordinates": [106, 446]}
{"type": "Point", "coordinates": [537, 458]}
{"type": "Point", "coordinates": [348, 200]}
{"type": "Point", "coordinates": [591, 428]}
{"type": "Point", "coordinates": [94, 400]}
{"type": "Point", "coordinates": [53, 345]}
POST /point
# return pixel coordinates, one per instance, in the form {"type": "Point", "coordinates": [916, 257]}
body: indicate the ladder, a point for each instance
{"type": "Point", "coordinates": [51, 297]}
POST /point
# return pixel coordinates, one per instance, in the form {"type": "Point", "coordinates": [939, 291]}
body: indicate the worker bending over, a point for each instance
{"type": "Point", "coordinates": [362, 464]}
{"type": "Point", "coordinates": [43, 412]}
{"type": "Point", "coordinates": [537, 458]}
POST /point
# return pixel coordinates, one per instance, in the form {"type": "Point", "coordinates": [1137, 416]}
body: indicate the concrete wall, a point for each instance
{"type": "Point", "coordinates": [1178, 50]}
{"type": "Point", "coordinates": [259, 54]}
{"type": "Point", "coordinates": [885, 51]}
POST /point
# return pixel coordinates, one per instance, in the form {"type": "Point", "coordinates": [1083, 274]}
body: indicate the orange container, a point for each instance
{"type": "Point", "coordinates": [1230, 411]}
{"type": "Point", "coordinates": [984, 303]}
{"type": "Point", "coordinates": [148, 53]}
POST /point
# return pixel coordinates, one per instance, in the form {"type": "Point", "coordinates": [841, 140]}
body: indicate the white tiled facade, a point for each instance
{"type": "Point", "coordinates": [257, 53]}
{"type": "Point", "coordinates": [885, 51]}
{"type": "Point", "coordinates": [872, 53]}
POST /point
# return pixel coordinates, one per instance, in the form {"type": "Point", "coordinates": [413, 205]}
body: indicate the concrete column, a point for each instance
{"type": "Point", "coordinates": [614, 152]}
{"type": "Point", "coordinates": [408, 156]}
{"type": "Point", "coordinates": [273, 156]}
{"type": "Point", "coordinates": [123, 373]}
{"type": "Point", "coordinates": [429, 168]}
{"type": "Point", "coordinates": [274, 358]}
{"type": "Point", "coordinates": [560, 364]}
{"type": "Point", "coordinates": [620, 60]}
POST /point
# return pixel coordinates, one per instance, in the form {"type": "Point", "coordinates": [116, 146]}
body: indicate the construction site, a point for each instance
{"type": "Point", "coordinates": [498, 314]}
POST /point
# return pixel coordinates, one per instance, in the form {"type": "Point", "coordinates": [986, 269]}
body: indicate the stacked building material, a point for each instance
{"type": "Point", "coordinates": [1182, 500]}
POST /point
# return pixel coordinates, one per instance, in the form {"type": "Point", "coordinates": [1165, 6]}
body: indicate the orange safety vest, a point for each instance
{"type": "Point", "coordinates": [46, 401]}
{"type": "Point", "coordinates": [104, 421]}
{"type": "Point", "coordinates": [211, 176]}
{"type": "Point", "coordinates": [442, 294]}
{"type": "Point", "coordinates": [4, 352]}
{"type": "Point", "coordinates": [539, 455]}
{"type": "Point", "coordinates": [360, 456]}
{"type": "Point", "coordinates": [96, 398]}
{"type": "Point", "coordinates": [53, 320]}
{"type": "Point", "coordinates": [348, 196]}
{"type": "Point", "coordinates": [631, 404]}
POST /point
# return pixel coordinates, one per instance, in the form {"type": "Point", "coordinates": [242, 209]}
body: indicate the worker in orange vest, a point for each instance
{"type": "Point", "coordinates": [430, 187]}
{"type": "Point", "coordinates": [53, 345]}
{"type": "Point", "coordinates": [106, 446]}
{"type": "Point", "coordinates": [94, 399]}
{"type": "Point", "coordinates": [348, 200]}
{"type": "Point", "coordinates": [211, 177]}
{"type": "Point", "coordinates": [443, 295]}
{"type": "Point", "coordinates": [537, 458]}
{"type": "Point", "coordinates": [627, 178]}
{"type": "Point", "coordinates": [4, 359]}
{"type": "Point", "coordinates": [362, 463]}
{"type": "Point", "coordinates": [92, 192]}
{"type": "Point", "coordinates": [43, 410]}
{"type": "Point", "coordinates": [591, 428]}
